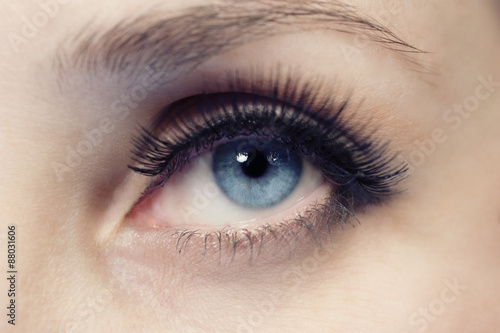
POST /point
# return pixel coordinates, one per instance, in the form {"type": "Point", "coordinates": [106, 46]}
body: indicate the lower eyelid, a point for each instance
{"type": "Point", "coordinates": [289, 221]}
{"type": "Point", "coordinates": [352, 161]}
{"type": "Point", "coordinates": [307, 227]}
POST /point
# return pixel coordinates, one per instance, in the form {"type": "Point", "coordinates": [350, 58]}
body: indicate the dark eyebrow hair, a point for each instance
{"type": "Point", "coordinates": [201, 32]}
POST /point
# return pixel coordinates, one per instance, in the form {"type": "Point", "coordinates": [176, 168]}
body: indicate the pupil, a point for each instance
{"type": "Point", "coordinates": [256, 165]}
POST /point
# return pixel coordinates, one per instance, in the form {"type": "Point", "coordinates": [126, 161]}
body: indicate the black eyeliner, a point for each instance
{"type": "Point", "coordinates": [350, 161]}
{"type": "Point", "coordinates": [362, 169]}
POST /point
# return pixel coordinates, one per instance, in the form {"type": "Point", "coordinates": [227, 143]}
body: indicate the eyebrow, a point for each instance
{"type": "Point", "coordinates": [200, 33]}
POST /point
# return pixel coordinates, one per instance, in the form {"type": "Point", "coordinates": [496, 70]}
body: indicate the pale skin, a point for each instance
{"type": "Point", "coordinates": [427, 261]}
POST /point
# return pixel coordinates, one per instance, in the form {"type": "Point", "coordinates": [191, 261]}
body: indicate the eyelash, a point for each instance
{"type": "Point", "coordinates": [360, 167]}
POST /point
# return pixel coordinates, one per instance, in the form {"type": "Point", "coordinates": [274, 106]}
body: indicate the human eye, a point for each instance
{"type": "Point", "coordinates": [256, 166]}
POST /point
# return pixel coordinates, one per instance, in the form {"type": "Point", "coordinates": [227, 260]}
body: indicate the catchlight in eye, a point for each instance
{"type": "Point", "coordinates": [256, 174]}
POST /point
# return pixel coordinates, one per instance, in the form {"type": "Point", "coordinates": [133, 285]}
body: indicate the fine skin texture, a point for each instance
{"type": "Point", "coordinates": [427, 260]}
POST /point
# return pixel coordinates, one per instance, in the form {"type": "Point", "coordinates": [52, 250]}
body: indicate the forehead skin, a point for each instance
{"type": "Point", "coordinates": [428, 262]}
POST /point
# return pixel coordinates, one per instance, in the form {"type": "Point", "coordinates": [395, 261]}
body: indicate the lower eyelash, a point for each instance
{"type": "Point", "coordinates": [360, 167]}
{"type": "Point", "coordinates": [228, 241]}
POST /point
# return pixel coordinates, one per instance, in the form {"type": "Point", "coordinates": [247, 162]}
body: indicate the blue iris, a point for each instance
{"type": "Point", "coordinates": [254, 173]}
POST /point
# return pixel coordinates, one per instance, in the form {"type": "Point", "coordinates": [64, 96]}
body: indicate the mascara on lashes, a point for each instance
{"type": "Point", "coordinates": [318, 134]}
{"type": "Point", "coordinates": [361, 170]}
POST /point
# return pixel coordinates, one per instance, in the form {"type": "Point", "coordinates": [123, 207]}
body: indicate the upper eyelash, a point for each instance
{"type": "Point", "coordinates": [362, 167]}
{"type": "Point", "coordinates": [371, 172]}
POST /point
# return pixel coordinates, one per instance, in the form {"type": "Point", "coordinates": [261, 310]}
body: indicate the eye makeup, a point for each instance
{"type": "Point", "coordinates": [288, 115]}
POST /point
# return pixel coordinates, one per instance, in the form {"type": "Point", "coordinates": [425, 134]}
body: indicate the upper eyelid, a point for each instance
{"type": "Point", "coordinates": [200, 33]}
{"type": "Point", "coordinates": [284, 89]}
{"type": "Point", "coordinates": [375, 182]}
{"type": "Point", "coordinates": [321, 112]}
{"type": "Point", "coordinates": [381, 176]}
